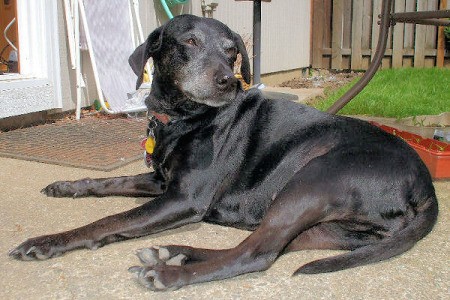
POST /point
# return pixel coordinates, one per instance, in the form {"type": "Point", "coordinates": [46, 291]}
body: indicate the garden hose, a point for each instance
{"type": "Point", "coordinates": [169, 3]}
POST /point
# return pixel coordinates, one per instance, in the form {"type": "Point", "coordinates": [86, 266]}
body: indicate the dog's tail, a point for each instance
{"type": "Point", "coordinates": [400, 242]}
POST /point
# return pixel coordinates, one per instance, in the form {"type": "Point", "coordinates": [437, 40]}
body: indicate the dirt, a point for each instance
{"type": "Point", "coordinates": [315, 78]}
{"type": "Point", "coordinates": [89, 113]}
{"type": "Point", "coordinates": [322, 79]}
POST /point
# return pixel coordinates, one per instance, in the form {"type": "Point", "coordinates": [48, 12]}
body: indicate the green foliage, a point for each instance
{"type": "Point", "coordinates": [447, 32]}
{"type": "Point", "coordinates": [398, 93]}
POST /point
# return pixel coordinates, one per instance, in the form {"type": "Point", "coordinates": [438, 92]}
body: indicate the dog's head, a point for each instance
{"type": "Point", "coordinates": [193, 62]}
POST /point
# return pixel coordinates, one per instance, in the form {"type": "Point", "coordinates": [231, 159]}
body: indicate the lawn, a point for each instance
{"type": "Point", "coordinates": [398, 93]}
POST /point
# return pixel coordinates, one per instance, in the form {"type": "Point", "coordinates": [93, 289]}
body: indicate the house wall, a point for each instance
{"type": "Point", "coordinates": [285, 39]}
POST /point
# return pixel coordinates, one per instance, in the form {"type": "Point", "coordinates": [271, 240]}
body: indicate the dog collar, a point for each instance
{"type": "Point", "coordinates": [163, 118]}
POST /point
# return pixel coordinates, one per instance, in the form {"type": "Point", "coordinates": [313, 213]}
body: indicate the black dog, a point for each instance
{"type": "Point", "coordinates": [300, 178]}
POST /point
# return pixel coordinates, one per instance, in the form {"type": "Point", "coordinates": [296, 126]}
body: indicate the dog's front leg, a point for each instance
{"type": "Point", "coordinates": [295, 208]}
{"type": "Point", "coordinates": [162, 213]}
{"type": "Point", "coordinates": [142, 185]}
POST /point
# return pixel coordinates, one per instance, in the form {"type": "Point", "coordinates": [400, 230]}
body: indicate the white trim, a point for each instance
{"type": "Point", "coordinates": [17, 81]}
{"type": "Point", "coordinates": [53, 59]}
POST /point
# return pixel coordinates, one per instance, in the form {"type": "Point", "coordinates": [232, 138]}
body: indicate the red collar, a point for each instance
{"type": "Point", "coordinates": [163, 118]}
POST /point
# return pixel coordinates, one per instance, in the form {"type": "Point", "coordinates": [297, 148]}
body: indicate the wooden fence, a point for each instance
{"type": "Point", "coordinates": [345, 35]}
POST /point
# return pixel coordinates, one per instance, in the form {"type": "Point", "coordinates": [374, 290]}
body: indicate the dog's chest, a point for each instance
{"type": "Point", "coordinates": [180, 149]}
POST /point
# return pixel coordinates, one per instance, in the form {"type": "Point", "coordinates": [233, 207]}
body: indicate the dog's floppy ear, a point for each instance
{"type": "Point", "coordinates": [245, 64]}
{"type": "Point", "coordinates": [139, 58]}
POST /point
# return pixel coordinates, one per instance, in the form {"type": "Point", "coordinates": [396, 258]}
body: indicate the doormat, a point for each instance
{"type": "Point", "coordinates": [92, 143]}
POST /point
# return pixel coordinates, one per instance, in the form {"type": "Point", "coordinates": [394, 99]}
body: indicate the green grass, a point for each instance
{"type": "Point", "coordinates": [398, 93]}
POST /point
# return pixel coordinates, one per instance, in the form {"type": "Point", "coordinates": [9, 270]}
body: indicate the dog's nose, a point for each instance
{"type": "Point", "coordinates": [224, 79]}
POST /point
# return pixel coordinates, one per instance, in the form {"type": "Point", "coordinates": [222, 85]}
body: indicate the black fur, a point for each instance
{"type": "Point", "coordinates": [300, 178]}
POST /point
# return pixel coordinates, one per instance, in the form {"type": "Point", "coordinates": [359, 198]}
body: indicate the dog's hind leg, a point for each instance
{"type": "Point", "coordinates": [391, 246]}
{"type": "Point", "coordinates": [295, 209]}
{"type": "Point", "coordinates": [142, 185]}
{"type": "Point", "coordinates": [327, 236]}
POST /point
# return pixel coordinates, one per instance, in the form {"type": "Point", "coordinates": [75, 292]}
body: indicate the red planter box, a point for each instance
{"type": "Point", "coordinates": [435, 154]}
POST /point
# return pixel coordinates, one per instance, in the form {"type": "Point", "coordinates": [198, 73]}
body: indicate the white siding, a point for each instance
{"type": "Point", "coordinates": [285, 26]}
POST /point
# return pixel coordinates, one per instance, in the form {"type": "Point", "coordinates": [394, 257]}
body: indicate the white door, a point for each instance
{"type": "Point", "coordinates": [38, 86]}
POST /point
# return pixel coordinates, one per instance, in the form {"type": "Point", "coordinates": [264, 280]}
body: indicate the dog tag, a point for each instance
{"type": "Point", "coordinates": [150, 144]}
{"type": "Point", "coordinates": [148, 160]}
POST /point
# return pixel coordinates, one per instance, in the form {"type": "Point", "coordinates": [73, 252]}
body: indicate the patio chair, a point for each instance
{"type": "Point", "coordinates": [109, 36]}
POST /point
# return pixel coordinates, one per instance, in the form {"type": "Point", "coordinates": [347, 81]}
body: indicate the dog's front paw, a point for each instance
{"type": "Point", "coordinates": [38, 248]}
{"type": "Point", "coordinates": [72, 189]}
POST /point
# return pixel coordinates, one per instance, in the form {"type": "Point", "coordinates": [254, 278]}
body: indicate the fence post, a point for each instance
{"type": "Point", "coordinates": [440, 46]}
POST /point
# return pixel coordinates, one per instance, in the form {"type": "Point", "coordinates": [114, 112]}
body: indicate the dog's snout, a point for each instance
{"type": "Point", "coordinates": [224, 79]}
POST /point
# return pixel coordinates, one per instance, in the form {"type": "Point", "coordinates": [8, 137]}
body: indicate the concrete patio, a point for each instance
{"type": "Point", "coordinates": [421, 273]}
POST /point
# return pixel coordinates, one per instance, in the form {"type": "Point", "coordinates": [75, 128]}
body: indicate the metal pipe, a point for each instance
{"type": "Point", "coordinates": [256, 41]}
{"type": "Point", "coordinates": [138, 21]}
{"type": "Point", "coordinates": [435, 22]}
{"type": "Point", "coordinates": [6, 37]}
{"type": "Point", "coordinates": [417, 15]}
{"type": "Point", "coordinates": [373, 68]}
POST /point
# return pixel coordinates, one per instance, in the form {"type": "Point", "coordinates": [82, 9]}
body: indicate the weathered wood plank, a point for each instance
{"type": "Point", "coordinates": [408, 42]}
{"type": "Point", "coordinates": [397, 44]}
{"type": "Point", "coordinates": [357, 25]}
{"type": "Point", "coordinates": [345, 35]}
{"type": "Point", "coordinates": [375, 25]}
{"type": "Point", "coordinates": [336, 41]}
{"type": "Point", "coordinates": [431, 31]}
{"type": "Point", "coordinates": [419, 44]}
{"type": "Point", "coordinates": [318, 24]}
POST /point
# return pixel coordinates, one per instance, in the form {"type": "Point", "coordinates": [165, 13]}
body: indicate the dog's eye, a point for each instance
{"type": "Point", "coordinates": [232, 51]}
{"type": "Point", "coordinates": [191, 41]}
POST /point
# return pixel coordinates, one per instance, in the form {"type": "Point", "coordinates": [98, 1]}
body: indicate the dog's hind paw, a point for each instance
{"type": "Point", "coordinates": [147, 277]}
{"type": "Point", "coordinates": [161, 269]}
{"type": "Point", "coordinates": [160, 255]}
{"type": "Point", "coordinates": [159, 278]}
